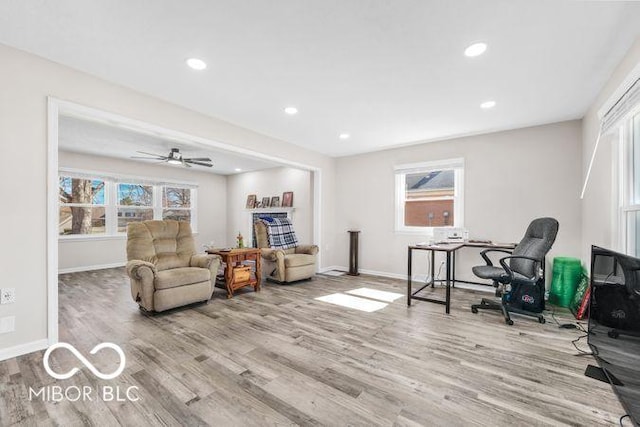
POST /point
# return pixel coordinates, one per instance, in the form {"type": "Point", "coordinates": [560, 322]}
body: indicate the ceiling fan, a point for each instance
{"type": "Point", "coordinates": [175, 158]}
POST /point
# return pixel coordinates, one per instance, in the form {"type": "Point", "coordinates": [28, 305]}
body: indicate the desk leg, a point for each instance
{"type": "Point", "coordinates": [409, 278]}
{"type": "Point", "coordinates": [453, 269]}
{"type": "Point", "coordinates": [448, 295]}
{"type": "Point", "coordinates": [433, 268]}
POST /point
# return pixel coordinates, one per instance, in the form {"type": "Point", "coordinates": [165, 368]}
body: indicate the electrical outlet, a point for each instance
{"type": "Point", "coordinates": [7, 295]}
{"type": "Point", "coordinates": [7, 324]}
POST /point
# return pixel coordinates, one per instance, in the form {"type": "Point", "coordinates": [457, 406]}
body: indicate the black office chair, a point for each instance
{"type": "Point", "coordinates": [520, 279]}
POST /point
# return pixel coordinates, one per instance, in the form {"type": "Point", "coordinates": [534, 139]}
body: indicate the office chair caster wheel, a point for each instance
{"type": "Point", "coordinates": [542, 320]}
{"type": "Point", "coordinates": [474, 310]}
{"type": "Point", "coordinates": [613, 334]}
{"type": "Point", "coordinates": [509, 322]}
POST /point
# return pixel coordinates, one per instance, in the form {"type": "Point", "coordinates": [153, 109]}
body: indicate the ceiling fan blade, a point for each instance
{"type": "Point", "coordinates": [199, 159]}
{"type": "Point", "coordinates": [184, 163]}
{"type": "Point", "coordinates": [199, 163]}
{"type": "Point", "coordinates": [150, 154]}
{"type": "Point", "coordinates": [149, 158]}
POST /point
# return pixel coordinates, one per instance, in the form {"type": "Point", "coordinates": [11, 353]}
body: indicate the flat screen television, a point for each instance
{"type": "Point", "coordinates": [614, 324]}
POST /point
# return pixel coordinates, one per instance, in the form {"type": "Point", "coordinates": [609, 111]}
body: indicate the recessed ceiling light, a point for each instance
{"type": "Point", "coordinates": [291, 110]}
{"type": "Point", "coordinates": [238, 170]}
{"type": "Point", "coordinates": [488, 104]}
{"type": "Point", "coordinates": [196, 64]}
{"type": "Point", "coordinates": [475, 49]}
{"type": "Point", "coordinates": [344, 136]}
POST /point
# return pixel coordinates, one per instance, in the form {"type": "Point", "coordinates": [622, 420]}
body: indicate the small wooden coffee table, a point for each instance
{"type": "Point", "coordinates": [233, 258]}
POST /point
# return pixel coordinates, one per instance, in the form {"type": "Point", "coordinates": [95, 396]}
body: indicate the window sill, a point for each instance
{"type": "Point", "coordinates": [428, 232]}
{"type": "Point", "coordinates": [96, 238]}
{"type": "Point", "coordinates": [86, 238]}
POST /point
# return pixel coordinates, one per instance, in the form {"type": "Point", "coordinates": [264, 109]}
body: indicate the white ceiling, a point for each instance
{"type": "Point", "coordinates": [387, 72]}
{"type": "Point", "coordinates": [100, 139]}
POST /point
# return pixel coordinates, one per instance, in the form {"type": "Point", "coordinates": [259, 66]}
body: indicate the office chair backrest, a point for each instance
{"type": "Point", "coordinates": [536, 242]}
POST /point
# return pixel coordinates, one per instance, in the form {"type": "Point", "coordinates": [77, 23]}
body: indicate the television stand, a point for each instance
{"type": "Point", "coordinates": [599, 374]}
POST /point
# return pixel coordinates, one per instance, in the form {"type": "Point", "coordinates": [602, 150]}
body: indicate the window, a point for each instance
{"type": "Point", "coordinates": [630, 189]}
{"type": "Point", "coordinates": [429, 195]}
{"type": "Point", "coordinates": [135, 204]}
{"type": "Point", "coordinates": [103, 205]}
{"type": "Point", "coordinates": [82, 206]}
{"type": "Point", "coordinates": [176, 203]}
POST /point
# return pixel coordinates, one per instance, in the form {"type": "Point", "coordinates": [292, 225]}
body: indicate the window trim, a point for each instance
{"type": "Point", "coordinates": [401, 171]}
{"type": "Point", "coordinates": [111, 205]}
{"type": "Point", "coordinates": [104, 205]}
{"type": "Point", "coordinates": [624, 186]}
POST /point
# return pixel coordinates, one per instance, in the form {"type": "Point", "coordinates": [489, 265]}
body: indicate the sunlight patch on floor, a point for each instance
{"type": "Point", "coordinates": [376, 294]}
{"type": "Point", "coordinates": [356, 303]}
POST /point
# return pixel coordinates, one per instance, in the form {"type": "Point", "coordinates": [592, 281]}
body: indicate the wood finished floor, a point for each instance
{"type": "Point", "coordinates": [278, 357]}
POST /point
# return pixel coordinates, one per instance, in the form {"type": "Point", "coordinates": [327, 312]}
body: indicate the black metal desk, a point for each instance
{"type": "Point", "coordinates": [450, 250]}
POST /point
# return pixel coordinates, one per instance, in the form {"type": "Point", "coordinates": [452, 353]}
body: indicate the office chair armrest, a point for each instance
{"type": "Point", "coordinates": [487, 259]}
{"type": "Point", "coordinates": [508, 270]}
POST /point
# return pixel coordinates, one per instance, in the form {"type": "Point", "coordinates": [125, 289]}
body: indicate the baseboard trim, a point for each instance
{"type": "Point", "coordinates": [333, 267]}
{"type": "Point", "coordinates": [383, 274]}
{"type": "Point", "coordinates": [369, 272]}
{"type": "Point", "coordinates": [19, 350]}
{"type": "Point", "coordinates": [90, 267]}
{"type": "Point", "coordinates": [416, 278]}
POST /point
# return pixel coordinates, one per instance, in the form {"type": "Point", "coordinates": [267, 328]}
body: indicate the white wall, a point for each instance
{"type": "Point", "coordinates": [270, 182]}
{"type": "Point", "coordinates": [510, 178]}
{"type": "Point", "coordinates": [597, 206]}
{"type": "Point", "coordinates": [25, 83]}
{"type": "Point", "coordinates": [211, 209]}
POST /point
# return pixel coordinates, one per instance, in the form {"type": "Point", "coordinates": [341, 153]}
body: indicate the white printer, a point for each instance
{"type": "Point", "coordinates": [450, 234]}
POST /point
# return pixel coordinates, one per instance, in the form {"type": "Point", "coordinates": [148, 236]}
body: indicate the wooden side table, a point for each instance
{"type": "Point", "coordinates": [234, 258]}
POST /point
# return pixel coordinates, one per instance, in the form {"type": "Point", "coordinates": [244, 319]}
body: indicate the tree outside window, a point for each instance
{"type": "Point", "coordinates": [176, 203]}
{"type": "Point", "coordinates": [135, 204]}
{"type": "Point", "coordinates": [82, 206]}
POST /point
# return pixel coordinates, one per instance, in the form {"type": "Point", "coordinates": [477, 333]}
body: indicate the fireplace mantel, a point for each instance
{"type": "Point", "coordinates": [270, 210]}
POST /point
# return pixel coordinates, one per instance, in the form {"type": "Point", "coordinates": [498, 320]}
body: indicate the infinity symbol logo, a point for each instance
{"type": "Point", "coordinates": [84, 361]}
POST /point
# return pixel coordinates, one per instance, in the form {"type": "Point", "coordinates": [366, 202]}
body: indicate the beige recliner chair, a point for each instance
{"type": "Point", "coordinates": [285, 265]}
{"type": "Point", "coordinates": [164, 268]}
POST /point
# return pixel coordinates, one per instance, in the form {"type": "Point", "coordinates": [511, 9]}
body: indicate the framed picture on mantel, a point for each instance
{"type": "Point", "coordinates": [287, 199]}
{"type": "Point", "coordinates": [251, 201]}
{"type": "Point", "coordinates": [265, 202]}
{"type": "Point", "coordinates": [275, 202]}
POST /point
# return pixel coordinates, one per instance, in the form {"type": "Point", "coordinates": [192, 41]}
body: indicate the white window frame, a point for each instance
{"type": "Point", "coordinates": [192, 201]}
{"type": "Point", "coordinates": [155, 190]}
{"type": "Point", "coordinates": [401, 171]}
{"type": "Point", "coordinates": [111, 205]}
{"type": "Point", "coordinates": [105, 205]}
{"type": "Point", "coordinates": [624, 188]}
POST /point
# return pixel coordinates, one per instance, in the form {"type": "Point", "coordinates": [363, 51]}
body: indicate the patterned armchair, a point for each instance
{"type": "Point", "coordinates": [284, 260]}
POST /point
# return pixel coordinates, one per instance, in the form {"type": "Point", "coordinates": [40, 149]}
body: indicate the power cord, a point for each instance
{"type": "Point", "coordinates": [623, 417]}
{"type": "Point", "coordinates": [576, 325]}
{"type": "Point", "coordinates": [429, 270]}
{"type": "Point", "coordinates": [581, 352]}
{"type": "Point", "coordinates": [440, 269]}
{"type": "Point", "coordinates": [562, 325]}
